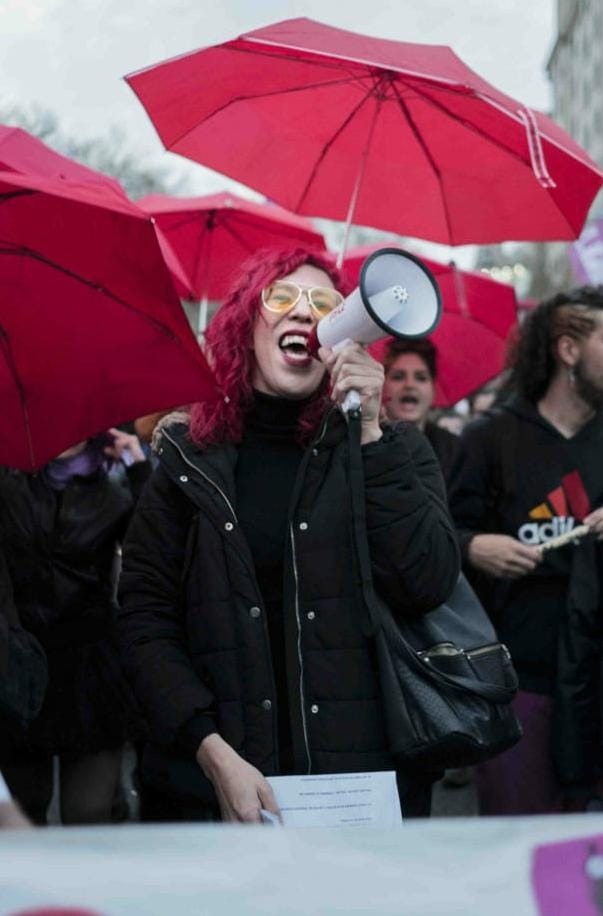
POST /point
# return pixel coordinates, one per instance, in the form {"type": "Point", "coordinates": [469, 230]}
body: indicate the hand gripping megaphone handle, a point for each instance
{"type": "Point", "coordinates": [351, 403]}
{"type": "Point", "coordinates": [397, 296]}
{"type": "Point", "coordinates": [352, 399]}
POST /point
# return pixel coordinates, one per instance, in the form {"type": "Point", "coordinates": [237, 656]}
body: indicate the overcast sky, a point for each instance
{"type": "Point", "coordinates": [70, 55]}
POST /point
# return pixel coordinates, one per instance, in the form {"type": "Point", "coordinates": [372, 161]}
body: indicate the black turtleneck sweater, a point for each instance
{"type": "Point", "coordinates": [268, 460]}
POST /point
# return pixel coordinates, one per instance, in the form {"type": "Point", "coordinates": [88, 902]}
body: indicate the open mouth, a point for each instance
{"type": "Point", "coordinates": [410, 400]}
{"type": "Point", "coordinates": [294, 346]}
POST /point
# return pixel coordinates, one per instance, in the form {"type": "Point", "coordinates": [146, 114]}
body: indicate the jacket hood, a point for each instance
{"type": "Point", "coordinates": [526, 410]}
{"type": "Point", "coordinates": [179, 418]}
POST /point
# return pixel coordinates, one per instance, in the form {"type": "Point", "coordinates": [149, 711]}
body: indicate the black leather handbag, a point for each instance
{"type": "Point", "coordinates": [446, 681]}
{"type": "Point", "coordinates": [447, 685]}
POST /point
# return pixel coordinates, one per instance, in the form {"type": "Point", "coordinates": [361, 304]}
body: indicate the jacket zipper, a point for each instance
{"type": "Point", "coordinates": [298, 621]}
{"type": "Point", "coordinates": [204, 475]}
{"type": "Point", "coordinates": [295, 575]}
{"type": "Point", "coordinates": [299, 655]}
{"type": "Point", "coordinates": [234, 515]}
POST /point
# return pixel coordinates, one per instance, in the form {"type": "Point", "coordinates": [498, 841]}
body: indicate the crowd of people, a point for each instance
{"type": "Point", "coordinates": [202, 604]}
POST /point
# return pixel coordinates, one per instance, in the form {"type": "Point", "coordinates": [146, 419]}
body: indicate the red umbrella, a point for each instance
{"type": "Point", "coordinates": [212, 235]}
{"type": "Point", "coordinates": [91, 331]}
{"type": "Point", "coordinates": [395, 135]}
{"type": "Point", "coordinates": [20, 152]}
{"type": "Point", "coordinates": [471, 338]}
{"type": "Point", "coordinates": [181, 280]}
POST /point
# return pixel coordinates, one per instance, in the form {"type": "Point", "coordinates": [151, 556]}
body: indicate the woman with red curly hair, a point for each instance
{"type": "Point", "coordinates": [242, 614]}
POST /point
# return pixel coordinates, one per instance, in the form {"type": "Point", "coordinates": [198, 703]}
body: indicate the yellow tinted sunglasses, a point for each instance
{"type": "Point", "coordinates": [283, 295]}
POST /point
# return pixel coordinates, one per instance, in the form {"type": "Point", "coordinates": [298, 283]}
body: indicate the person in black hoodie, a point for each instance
{"type": "Point", "coordinates": [408, 393]}
{"type": "Point", "coordinates": [242, 614]}
{"type": "Point", "coordinates": [532, 473]}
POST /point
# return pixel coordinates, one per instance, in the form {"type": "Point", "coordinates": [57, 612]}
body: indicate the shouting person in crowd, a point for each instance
{"type": "Point", "coordinates": [60, 532]}
{"type": "Point", "coordinates": [533, 474]}
{"type": "Point", "coordinates": [408, 394]}
{"type": "Point", "coordinates": [242, 616]}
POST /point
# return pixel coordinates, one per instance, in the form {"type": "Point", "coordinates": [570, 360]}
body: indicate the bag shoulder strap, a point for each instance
{"type": "Point", "coordinates": [373, 624]}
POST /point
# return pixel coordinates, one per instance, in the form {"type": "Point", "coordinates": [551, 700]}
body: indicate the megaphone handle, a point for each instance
{"type": "Point", "coordinates": [352, 401]}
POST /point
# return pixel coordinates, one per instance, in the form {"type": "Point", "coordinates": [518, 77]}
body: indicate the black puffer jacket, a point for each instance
{"type": "Point", "coordinates": [192, 621]}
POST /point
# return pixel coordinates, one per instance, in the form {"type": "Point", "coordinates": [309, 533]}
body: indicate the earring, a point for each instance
{"type": "Point", "coordinates": [571, 374]}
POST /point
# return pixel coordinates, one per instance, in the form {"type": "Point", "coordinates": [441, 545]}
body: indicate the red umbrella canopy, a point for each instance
{"type": "Point", "coordinates": [214, 234]}
{"type": "Point", "coordinates": [401, 136]}
{"type": "Point", "coordinates": [181, 280]}
{"type": "Point", "coordinates": [477, 317]}
{"type": "Point", "coordinates": [91, 331]}
{"type": "Point", "coordinates": [20, 152]}
{"type": "Point", "coordinates": [26, 155]}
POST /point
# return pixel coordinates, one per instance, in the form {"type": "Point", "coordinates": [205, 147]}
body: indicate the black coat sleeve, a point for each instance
{"type": "Point", "coordinates": [7, 604]}
{"type": "Point", "coordinates": [151, 618]}
{"type": "Point", "coordinates": [412, 542]}
{"type": "Point", "coordinates": [137, 475]}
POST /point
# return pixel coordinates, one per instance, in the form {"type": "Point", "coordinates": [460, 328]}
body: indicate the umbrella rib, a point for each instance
{"type": "Point", "coordinates": [324, 59]}
{"type": "Point", "coordinates": [205, 226]}
{"type": "Point", "coordinates": [12, 368]}
{"type": "Point", "coordinates": [10, 195]}
{"type": "Point", "coordinates": [22, 251]}
{"type": "Point", "coordinates": [260, 95]}
{"type": "Point", "coordinates": [461, 292]}
{"type": "Point", "coordinates": [473, 127]}
{"type": "Point", "coordinates": [228, 226]}
{"type": "Point", "coordinates": [434, 167]}
{"type": "Point", "coordinates": [185, 220]}
{"type": "Point", "coordinates": [359, 68]}
{"type": "Point", "coordinates": [328, 146]}
{"type": "Point", "coordinates": [343, 63]}
{"type": "Point", "coordinates": [241, 219]}
{"type": "Point", "coordinates": [358, 71]}
{"type": "Point", "coordinates": [237, 236]}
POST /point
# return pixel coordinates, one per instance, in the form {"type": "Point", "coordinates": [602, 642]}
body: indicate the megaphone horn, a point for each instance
{"type": "Point", "coordinates": [397, 296]}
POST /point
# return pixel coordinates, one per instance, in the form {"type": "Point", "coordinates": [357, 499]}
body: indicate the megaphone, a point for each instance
{"type": "Point", "coordinates": [397, 296]}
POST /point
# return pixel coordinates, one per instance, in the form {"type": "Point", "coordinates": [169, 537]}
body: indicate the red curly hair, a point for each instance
{"type": "Point", "coordinates": [228, 349]}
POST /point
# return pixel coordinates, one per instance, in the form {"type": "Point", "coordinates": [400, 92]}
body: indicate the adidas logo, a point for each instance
{"type": "Point", "coordinates": [533, 533]}
{"type": "Point", "coordinates": [558, 513]}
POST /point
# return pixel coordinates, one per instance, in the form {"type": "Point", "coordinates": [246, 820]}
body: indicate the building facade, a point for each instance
{"type": "Point", "coordinates": [575, 68]}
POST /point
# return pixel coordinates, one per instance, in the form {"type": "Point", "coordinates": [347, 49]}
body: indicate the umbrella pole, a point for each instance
{"type": "Point", "coordinates": [203, 304]}
{"type": "Point", "coordinates": [459, 285]}
{"type": "Point", "coordinates": [357, 186]}
{"type": "Point", "coordinates": [202, 315]}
